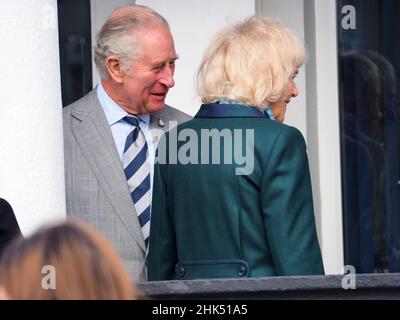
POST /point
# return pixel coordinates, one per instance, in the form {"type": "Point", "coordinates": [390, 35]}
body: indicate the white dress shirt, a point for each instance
{"type": "Point", "coordinates": [120, 129]}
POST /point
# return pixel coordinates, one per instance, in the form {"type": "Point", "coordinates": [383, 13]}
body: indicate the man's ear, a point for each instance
{"type": "Point", "coordinates": [114, 69]}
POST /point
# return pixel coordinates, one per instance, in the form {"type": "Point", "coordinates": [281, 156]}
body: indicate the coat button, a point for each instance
{"type": "Point", "coordinates": [242, 271]}
{"type": "Point", "coordinates": [181, 272]}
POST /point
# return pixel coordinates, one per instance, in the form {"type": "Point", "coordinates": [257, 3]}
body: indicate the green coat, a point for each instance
{"type": "Point", "coordinates": [213, 221]}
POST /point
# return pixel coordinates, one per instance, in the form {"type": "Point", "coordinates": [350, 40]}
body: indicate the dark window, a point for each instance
{"type": "Point", "coordinates": [369, 74]}
{"type": "Point", "coordinates": [75, 49]}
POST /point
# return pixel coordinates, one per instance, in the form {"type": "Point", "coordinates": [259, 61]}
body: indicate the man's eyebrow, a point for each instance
{"type": "Point", "coordinates": [166, 61]}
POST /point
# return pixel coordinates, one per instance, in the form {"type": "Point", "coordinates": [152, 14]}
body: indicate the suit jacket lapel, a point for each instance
{"type": "Point", "coordinates": [161, 121]}
{"type": "Point", "coordinates": [94, 136]}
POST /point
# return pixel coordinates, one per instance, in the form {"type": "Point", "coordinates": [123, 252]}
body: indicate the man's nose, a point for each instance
{"type": "Point", "coordinates": [167, 78]}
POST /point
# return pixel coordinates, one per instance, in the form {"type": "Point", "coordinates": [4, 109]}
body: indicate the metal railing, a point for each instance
{"type": "Point", "coordinates": [364, 286]}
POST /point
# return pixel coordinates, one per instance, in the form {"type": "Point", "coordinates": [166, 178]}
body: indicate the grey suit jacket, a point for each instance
{"type": "Point", "coordinates": [96, 187]}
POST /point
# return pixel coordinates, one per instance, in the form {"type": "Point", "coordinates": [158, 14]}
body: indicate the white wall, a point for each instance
{"type": "Point", "coordinates": [193, 24]}
{"type": "Point", "coordinates": [31, 144]}
{"type": "Point", "coordinates": [323, 128]}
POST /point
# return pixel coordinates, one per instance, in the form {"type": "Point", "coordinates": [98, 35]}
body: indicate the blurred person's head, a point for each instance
{"type": "Point", "coordinates": [253, 62]}
{"type": "Point", "coordinates": [361, 86]}
{"type": "Point", "coordinates": [135, 56]}
{"type": "Point", "coordinates": [66, 261]}
{"type": "Point", "coordinates": [388, 82]}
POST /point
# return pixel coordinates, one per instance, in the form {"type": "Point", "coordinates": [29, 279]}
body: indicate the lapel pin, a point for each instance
{"type": "Point", "coordinates": [161, 123]}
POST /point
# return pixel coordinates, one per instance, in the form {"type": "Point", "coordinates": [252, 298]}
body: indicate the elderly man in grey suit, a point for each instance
{"type": "Point", "coordinates": [110, 134]}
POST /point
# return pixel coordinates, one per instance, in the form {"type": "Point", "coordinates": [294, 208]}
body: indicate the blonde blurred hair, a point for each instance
{"type": "Point", "coordinates": [86, 266]}
{"type": "Point", "coordinates": [251, 62]}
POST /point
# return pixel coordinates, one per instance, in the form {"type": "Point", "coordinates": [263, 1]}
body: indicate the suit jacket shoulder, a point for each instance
{"type": "Point", "coordinates": [171, 113]}
{"type": "Point", "coordinates": [83, 105]}
{"type": "Point", "coordinates": [168, 118]}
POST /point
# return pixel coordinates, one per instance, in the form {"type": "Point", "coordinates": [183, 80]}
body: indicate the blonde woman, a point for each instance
{"type": "Point", "coordinates": [243, 207]}
{"type": "Point", "coordinates": [66, 261]}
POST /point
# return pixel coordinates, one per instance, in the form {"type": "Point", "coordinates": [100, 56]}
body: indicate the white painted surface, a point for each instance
{"type": "Point", "coordinates": [193, 24]}
{"type": "Point", "coordinates": [323, 128]}
{"type": "Point", "coordinates": [31, 144]}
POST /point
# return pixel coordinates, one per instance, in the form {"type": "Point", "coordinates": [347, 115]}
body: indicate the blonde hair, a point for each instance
{"type": "Point", "coordinates": [86, 266]}
{"type": "Point", "coordinates": [250, 62]}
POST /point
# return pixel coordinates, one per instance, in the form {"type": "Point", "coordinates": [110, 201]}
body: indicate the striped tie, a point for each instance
{"type": "Point", "coordinates": [137, 172]}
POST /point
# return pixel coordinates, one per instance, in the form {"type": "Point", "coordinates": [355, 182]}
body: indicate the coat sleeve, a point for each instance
{"type": "Point", "coordinates": [162, 246]}
{"type": "Point", "coordinates": [287, 207]}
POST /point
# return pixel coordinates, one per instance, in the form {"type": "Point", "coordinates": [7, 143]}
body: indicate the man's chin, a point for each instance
{"type": "Point", "coordinates": [155, 107]}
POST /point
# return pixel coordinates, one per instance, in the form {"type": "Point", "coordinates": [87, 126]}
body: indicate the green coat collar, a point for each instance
{"type": "Point", "coordinates": [216, 110]}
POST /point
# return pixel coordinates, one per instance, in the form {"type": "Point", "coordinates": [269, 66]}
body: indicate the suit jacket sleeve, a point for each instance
{"type": "Point", "coordinates": [287, 206]}
{"type": "Point", "coordinates": [162, 248]}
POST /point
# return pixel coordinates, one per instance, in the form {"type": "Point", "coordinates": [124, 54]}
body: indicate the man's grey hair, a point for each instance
{"type": "Point", "coordinates": [118, 36]}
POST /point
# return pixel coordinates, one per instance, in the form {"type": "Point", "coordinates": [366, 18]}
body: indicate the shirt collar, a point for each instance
{"type": "Point", "coordinates": [114, 113]}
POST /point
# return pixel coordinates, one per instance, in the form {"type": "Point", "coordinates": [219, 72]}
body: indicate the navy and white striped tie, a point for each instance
{"type": "Point", "coordinates": [137, 172]}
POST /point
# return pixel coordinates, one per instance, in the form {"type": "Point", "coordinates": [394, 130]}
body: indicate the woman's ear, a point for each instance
{"type": "Point", "coordinates": [114, 69]}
